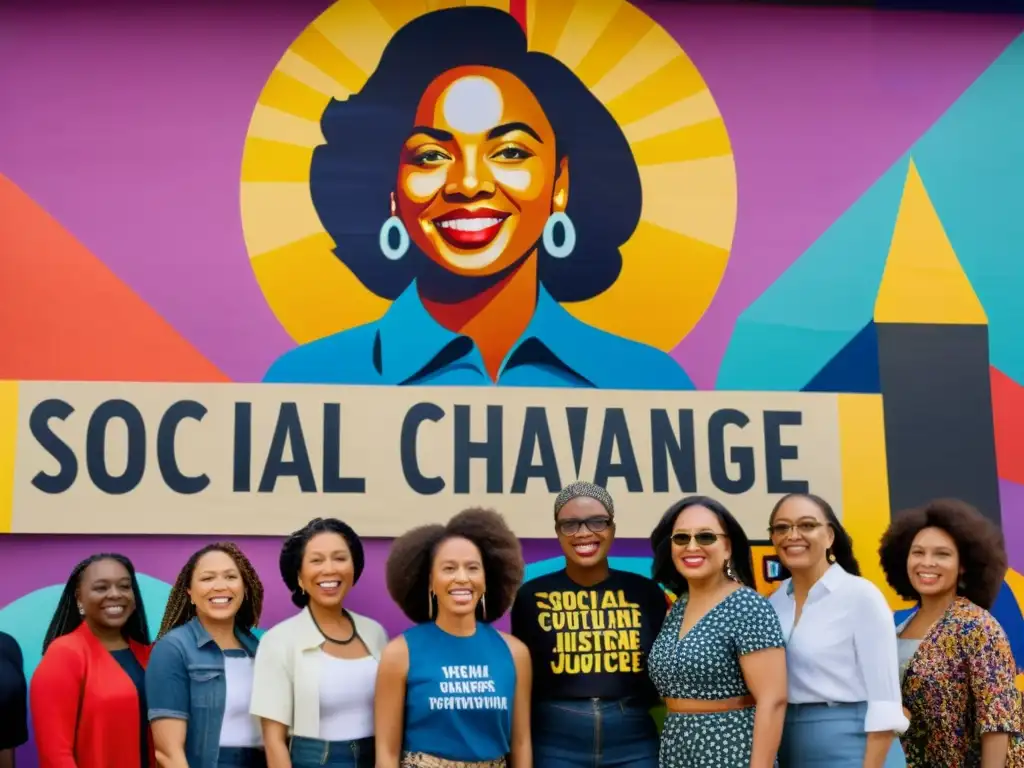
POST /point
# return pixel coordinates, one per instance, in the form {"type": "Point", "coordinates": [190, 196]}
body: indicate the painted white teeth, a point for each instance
{"type": "Point", "coordinates": [469, 225]}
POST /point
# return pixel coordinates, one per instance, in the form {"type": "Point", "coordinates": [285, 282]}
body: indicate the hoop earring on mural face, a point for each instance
{"type": "Point", "coordinates": [568, 235]}
{"type": "Point", "coordinates": [393, 224]}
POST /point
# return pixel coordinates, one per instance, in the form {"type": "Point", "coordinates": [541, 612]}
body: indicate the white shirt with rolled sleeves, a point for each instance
{"type": "Point", "coordinates": [843, 648]}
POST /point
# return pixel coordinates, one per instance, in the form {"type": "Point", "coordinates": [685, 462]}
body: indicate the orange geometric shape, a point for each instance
{"type": "Point", "coordinates": [1008, 415]}
{"type": "Point", "coordinates": [65, 316]}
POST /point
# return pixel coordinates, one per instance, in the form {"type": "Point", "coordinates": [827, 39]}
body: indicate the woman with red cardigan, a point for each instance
{"type": "Point", "coordinates": [87, 695]}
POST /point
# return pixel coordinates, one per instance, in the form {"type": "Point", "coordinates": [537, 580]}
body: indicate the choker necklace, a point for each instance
{"type": "Point", "coordinates": [330, 639]}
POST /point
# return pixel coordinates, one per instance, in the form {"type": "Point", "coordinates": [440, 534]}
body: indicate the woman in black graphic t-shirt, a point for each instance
{"type": "Point", "coordinates": [589, 629]}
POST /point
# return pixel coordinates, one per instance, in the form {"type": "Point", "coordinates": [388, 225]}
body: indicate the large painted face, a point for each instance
{"type": "Point", "coordinates": [478, 176]}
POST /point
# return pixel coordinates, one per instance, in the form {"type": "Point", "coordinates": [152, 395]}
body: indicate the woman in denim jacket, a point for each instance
{"type": "Point", "coordinates": [200, 672]}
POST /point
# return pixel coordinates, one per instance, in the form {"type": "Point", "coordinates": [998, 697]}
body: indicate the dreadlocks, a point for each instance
{"type": "Point", "coordinates": [67, 619]}
{"type": "Point", "coordinates": [180, 609]}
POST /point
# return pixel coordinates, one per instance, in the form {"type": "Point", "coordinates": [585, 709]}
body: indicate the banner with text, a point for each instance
{"type": "Point", "coordinates": [228, 459]}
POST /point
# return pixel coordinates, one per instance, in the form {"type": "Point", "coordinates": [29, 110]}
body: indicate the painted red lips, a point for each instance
{"type": "Point", "coordinates": [470, 230]}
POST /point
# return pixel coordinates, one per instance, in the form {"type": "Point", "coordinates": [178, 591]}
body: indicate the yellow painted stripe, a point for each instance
{"type": "Point", "coordinates": [866, 513]}
{"type": "Point", "coordinates": [287, 94]}
{"type": "Point", "coordinates": [691, 142]}
{"type": "Point", "coordinates": [8, 450]}
{"type": "Point", "coordinates": [265, 160]}
{"type": "Point", "coordinates": [622, 34]}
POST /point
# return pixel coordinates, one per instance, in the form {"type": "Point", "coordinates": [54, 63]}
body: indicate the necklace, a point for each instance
{"type": "Point", "coordinates": [330, 639]}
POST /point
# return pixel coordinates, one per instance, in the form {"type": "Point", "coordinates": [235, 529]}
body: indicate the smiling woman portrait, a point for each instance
{"type": "Point", "coordinates": [454, 692]}
{"type": "Point", "coordinates": [478, 185]}
{"type": "Point", "coordinates": [315, 673]}
{"type": "Point", "coordinates": [590, 709]}
{"type": "Point", "coordinates": [88, 694]}
{"type": "Point", "coordinates": [200, 672]}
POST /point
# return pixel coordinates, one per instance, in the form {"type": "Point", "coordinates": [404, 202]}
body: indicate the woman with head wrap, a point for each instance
{"type": "Point", "coordinates": [589, 628]}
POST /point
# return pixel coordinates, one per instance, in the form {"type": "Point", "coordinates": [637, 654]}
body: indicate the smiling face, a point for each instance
{"type": "Point", "coordinates": [585, 531]}
{"type": "Point", "coordinates": [933, 563]}
{"type": "Point", "coordinates": [327, 572]}
{"type": "Point", "coordinates": [216, 588]}
{"type": "Point", "coordinates": [704, 555]}
{"type": "Point", "coordinates": [457, 576]}
{"type": "Point", "coordinates": [105, 594]}
{"type": "Point", "coordinates": [478, 176]}
{"type": "Point", "coordinates": [801, 534]}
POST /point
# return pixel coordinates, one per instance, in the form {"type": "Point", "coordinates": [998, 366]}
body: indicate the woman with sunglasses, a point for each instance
{"type": "Point", "coordinates": [589, 628]}
{"type": "Point", "coordinates": [719, 659]}
{"type": "Point", "coordinates": [844, 688]}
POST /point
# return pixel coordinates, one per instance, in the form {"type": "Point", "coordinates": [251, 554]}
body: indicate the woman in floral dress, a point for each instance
{"type": "Point", "coordinates": [958, 670]}
{"type": "Point", "coordinates": [719, 660]}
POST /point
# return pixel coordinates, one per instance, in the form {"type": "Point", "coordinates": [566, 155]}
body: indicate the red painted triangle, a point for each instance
{"type": "Point", "coordinates": [1008, 415]}
{"type": "Point", "coordinates": [65, 316]}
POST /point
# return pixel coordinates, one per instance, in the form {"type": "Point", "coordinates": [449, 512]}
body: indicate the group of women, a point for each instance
{"type": "Point", "coordinates": [816, 675]}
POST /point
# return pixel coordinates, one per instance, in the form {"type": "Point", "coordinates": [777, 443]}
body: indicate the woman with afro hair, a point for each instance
{"type": "Point", "coordinates": [955, 660]}
{"type": "Point", "coordinates": [452, 690]}
{"type": "Point", "coordinates": [315, 673]}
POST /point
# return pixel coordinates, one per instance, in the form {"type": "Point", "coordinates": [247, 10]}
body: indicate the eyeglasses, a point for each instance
{"type": "Point", "coordinates": [804, 527]}
{"type": "Point", "coordinates": [592, 524]}
{"type": "Point", "coordinates": [703, 539]}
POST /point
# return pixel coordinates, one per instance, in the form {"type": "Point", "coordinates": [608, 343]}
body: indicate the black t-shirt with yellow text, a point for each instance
{"type": "Point", "coordinates": [590, 642]}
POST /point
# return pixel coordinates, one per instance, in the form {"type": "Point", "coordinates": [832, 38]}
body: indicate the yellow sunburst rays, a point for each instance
{"type": "Point", "coordinates": [675, 259]}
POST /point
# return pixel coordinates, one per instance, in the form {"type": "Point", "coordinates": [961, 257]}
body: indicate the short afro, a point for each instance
{"type": "Point", "coordinates": [979, 545]}
{"type": "Point", "coordinates": [412, 557]}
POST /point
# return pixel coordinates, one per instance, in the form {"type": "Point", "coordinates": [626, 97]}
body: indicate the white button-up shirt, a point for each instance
{"type": "Point", "coordinates": [843, 648]}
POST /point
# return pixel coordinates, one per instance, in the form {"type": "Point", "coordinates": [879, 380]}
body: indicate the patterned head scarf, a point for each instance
{"type": "Point", "coordinates": [585, 490]}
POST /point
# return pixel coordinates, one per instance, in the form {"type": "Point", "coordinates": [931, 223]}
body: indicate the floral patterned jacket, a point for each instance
{"type": "Point", "coordinates": [959, 685]}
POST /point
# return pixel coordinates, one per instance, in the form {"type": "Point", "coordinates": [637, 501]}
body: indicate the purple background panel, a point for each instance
{"type": "Point", "coordinates": [1011, 502]}
{"type": "Point", "coordinates": [126, 123]}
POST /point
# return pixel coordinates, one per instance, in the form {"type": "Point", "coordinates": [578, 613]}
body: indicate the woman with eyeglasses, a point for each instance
{"type": "Point", "coordinates": [718, 660]}
{"type": "Point", "coordinates": [844, 690]}
{"type": "Point", "coordinates": [589, 628]}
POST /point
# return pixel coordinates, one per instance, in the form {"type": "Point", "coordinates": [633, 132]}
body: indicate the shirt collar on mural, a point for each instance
{"type": "Point", "coordinates": [410, 345]}
{"type": "Point", "coordinates": [831, 579]}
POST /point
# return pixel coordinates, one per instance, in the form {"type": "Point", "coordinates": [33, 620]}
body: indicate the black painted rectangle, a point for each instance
{"type": "Point", "coordinates": [939, 435]}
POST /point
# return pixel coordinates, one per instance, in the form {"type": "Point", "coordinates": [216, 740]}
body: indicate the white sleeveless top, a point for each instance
{"type": "Point", "coordinates": [347, 687]}
{"type": "Point", "coordinates": [239, 728]}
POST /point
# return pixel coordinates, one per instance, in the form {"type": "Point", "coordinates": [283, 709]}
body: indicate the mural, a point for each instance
{"type": "Point", "coordinates": [245, 287]}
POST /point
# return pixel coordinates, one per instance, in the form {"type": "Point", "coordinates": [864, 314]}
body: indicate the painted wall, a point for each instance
{"type": "Point", "coordinates": [825, 227]}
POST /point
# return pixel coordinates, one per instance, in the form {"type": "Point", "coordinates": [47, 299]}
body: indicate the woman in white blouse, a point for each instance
{"type": "Point", "coordinates": [316, 672]}
{"type": "Point", "coordinates": [845, 706]}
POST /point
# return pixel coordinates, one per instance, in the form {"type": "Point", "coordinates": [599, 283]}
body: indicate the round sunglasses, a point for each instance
{"type": "Point", "coordinates": [703, 538]}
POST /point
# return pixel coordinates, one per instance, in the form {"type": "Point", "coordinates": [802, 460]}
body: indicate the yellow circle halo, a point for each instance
{"type": "Point", "coordinates": [672, 264]}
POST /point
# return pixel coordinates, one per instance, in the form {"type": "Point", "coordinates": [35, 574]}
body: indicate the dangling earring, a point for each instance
{"type": "Point", "coordinates": [829, 557]}
{"type": "Point", "coordinates": [393, 253]}
{"type": "Point", "coordinates": [81, 610]}
{"type": "Point", "coordinates": [568, 235]}
{"type": "Point", "coordinates": [729, 572]}
{"type": "Point", "coordinates": [430, 604]}
{"type": "Point", "coordinates": [961, 585]}
{"type": "Point", "coordinates": [483, 606]}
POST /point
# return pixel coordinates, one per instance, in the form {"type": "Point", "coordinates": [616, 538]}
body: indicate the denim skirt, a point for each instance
{"type": "Point", "coordinates": [594, 733]}
{"type": "Point", "coordinates": [314, 753]}
{"type": "Point", "coordinates": [829, 736]}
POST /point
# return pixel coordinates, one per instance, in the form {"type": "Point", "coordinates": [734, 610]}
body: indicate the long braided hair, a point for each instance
{"type": "Point", "coordinates": [180, 609]}
{"type": "Point", "coordinates": [67, 619]}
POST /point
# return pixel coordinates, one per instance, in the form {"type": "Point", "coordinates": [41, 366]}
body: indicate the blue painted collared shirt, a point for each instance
{"type": "Point", "coordinates": [185, 680]}
{"type": "Point", "coordinates": [407, 346]}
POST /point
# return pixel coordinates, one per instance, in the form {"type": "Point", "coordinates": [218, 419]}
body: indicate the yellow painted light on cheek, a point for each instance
{"type": "Point", "coordinates": [518, 179]}
{"type": "Point", "coordinates": [423, 185]}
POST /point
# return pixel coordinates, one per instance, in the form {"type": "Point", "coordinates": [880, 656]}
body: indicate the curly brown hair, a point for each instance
{"type": "Point", "coordinates": [979, 546]}
{"type": "Point", "coordinates": [180, 609]}
{"type": "Point", "coordinates": [412, 557]}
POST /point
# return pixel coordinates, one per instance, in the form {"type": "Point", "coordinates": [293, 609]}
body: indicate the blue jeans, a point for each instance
{"type": "Point", "coordinates": [829, 736]}
{"type": "Point", "coordinates": [239, 757]}
{"type": "Point", "coordinates": [594, 733]}
{"type": "Point", "coordinates": [313, 753]}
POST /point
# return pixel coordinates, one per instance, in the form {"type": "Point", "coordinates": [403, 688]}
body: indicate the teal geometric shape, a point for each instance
{"type": "Point", "coordinates": [972, 164]}
{"type": "Point", "coordinates": [28, 617]}
{"type": "Point", "coordinates": [640, 565]}
{"type": "Point", "coordinates": [821, 302]}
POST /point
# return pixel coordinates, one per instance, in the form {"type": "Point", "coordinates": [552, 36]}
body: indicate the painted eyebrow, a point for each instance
{"type": "Point", "coordinates": [501, 130]}
{"type": "Point", "coordinates": [435, 133]}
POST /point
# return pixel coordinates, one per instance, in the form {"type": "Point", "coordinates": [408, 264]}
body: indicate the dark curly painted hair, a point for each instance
{"type": "Point", "coordinates": [979, 545]}
{"type": "Point", "coordinates": [412, 557]}
{"type": "Point", "coordinates": [842, 544]}
{"type": "Point", "coordinates": [353, 174]}
{"type": "Point", "coordinates": [663, 569]}
{"type": "Point", "coordinates": [294, 549]}
{"type": "Point", "coordinates": [66, 617]}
